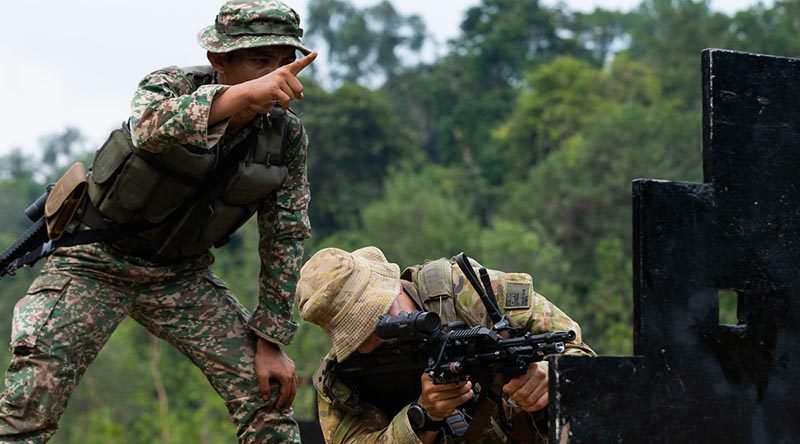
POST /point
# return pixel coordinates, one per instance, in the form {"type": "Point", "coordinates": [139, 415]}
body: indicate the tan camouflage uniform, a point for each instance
{"type": "Point", "coordinates": [372, 426]}
{"type": "Point", "coordinates": [84, 292]}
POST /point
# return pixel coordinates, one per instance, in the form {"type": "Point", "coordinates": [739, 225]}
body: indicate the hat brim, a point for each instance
{"type": "Point", "coordinates": [357, 322]}
{"type": "Point", "coordinates": [211, 40]}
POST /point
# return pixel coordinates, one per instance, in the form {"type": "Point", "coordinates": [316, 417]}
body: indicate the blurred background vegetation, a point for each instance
{"type": "Point", "coordinates": [517, 144]}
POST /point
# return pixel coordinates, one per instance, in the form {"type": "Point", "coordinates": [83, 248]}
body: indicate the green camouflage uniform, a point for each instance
{"type": "Point", "coordinates": [537, 314]}
{"type": "Point", "coordinates": [84, 292]}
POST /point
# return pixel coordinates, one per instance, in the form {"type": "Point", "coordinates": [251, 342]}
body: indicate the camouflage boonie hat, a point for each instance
{"type": "Point", "coordinates": [345, 294]}
{"type": "Point", "coordinates": [249, 24]}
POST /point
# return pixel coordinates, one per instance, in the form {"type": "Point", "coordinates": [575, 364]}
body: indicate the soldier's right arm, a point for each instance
{"type": "Point", "coordinates": [167, 109]}
{"type": "Point", "coordinates": [259, 95]}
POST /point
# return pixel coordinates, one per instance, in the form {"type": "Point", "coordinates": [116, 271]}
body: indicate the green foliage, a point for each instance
{"type": "Point", "coordinates": [595, 130]}
{"type": "Point", "coordinates": [581, 193]}
{"type": "Point", "coordinates": [458, 100]}
{"type": "Point", "coordinates": [669, 35]}
{"type": "Point", "coordinates": [504, 38]}
{"type": "Point", "coordinates": [768, 30]}
{"type": "Point", "coordinates": [512, 245]}
{"type": "Point", "coordinates": [598, 32]}
{"type": "Point", "coordinates": [607, 316]}
{"type": "Point", "coordinates": [727, 307]}
{"type": "Point", "coordinates": [354, 134]}
{"type": "Point", "coordinates": [59, 151]}
{"type": "Point", "coordinates": [426, 213]}
{"type": "Point", "coordinates": [364, 43]}
{"type": "Point", "coordinates": [564, 98]}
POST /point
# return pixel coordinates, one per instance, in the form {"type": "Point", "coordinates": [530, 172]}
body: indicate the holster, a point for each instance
{"type": "Point", "coordinates": [64, 200]}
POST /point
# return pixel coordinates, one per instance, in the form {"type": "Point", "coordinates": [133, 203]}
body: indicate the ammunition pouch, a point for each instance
{"type": "Point", "coordinates": [182, 191]}
{"type": "Point", "coordinates": [126, 182]}
{"type": "Point", "coordinates": [64, 200]}
{"type": "Point", "coordinates": [436, 292]}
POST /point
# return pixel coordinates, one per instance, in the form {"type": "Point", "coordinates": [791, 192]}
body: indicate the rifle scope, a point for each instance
{"type": "Point", "coordinates": [408, 326]}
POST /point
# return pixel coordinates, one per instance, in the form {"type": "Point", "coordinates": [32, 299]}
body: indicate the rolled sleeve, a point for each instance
{"type": "Point", "coordinates": [167, 109]}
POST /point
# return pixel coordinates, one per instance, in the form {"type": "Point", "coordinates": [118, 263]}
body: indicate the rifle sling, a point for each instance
{"type": "Point", "coordinates": [45, 248]}
{"type": "Point", "coordinates": [484, 411]}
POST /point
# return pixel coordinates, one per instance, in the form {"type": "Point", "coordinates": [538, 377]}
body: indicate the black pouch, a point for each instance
{"type": "Point", "coordinates": [107, 161]}
{"type": "Point", "coordinates": [135, 184]}
{"type": "Point", "coordinates": [253, 182]}
{"type": "Point", "coordinates": [170, 194]}
{"type": "Point", "coordinates": [187, 162]}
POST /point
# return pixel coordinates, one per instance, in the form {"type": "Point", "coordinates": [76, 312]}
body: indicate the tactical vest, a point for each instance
{"type": "Point", "coordinates": [161, 191]}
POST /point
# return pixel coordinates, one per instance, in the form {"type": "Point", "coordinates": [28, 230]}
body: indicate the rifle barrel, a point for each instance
{"type": "Point", "coordinates": [544, 338]}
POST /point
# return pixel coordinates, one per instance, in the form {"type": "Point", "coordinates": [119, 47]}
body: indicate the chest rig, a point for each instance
{"type": "Point", "coordinates": [188, 198]}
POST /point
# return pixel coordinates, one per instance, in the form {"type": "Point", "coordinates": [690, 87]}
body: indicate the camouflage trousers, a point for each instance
{"type": "Point", "coordinates": [81, 296]}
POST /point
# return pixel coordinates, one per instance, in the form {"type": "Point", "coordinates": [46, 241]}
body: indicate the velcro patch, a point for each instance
{"type": "Point", "coordinates": [517, 296]}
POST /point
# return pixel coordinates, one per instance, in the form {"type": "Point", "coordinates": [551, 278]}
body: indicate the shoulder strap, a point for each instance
{"type": "Point", "coordinates": [435, 283]}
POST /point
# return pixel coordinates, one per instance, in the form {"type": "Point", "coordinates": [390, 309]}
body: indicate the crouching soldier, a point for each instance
{"type": "Point", "coordinates": [346, 293]}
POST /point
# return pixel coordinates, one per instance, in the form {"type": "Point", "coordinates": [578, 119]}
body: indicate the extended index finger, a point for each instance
{"type": "Point", "coordinates": [299, 64]}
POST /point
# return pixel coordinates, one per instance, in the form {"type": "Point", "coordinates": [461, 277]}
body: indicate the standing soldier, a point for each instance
{"type": "Point", "coordinates": [205, 148]}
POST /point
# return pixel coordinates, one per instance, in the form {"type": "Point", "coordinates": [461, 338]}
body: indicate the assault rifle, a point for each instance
{"type": "Point", "coordinates": [451, 353]}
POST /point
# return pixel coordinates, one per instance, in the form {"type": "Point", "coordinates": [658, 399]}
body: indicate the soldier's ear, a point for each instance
{"type": "Point", "coordinates": [219, 61]}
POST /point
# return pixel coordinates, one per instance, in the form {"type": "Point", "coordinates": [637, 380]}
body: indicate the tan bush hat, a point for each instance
{"type": "Point", "coordinates": [345, 294]}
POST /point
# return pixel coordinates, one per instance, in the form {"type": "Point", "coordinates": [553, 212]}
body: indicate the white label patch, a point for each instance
{"type": "Point", "coordinates": [517, 296]}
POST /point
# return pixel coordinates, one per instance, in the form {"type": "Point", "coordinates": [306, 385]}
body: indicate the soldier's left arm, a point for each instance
{"type": "Point", "coordinates": [543, 316]}
{"type": "Point", "coordinates": [530, 391]}
{"type": "Point", "coordinates": [283, 226]}
{"type": "Point", "coordinates": [522, 304]}
{"type": "Point", "coordinates": [532, 311]}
